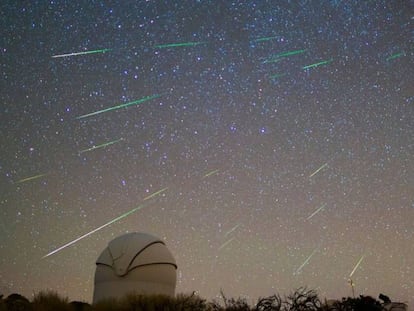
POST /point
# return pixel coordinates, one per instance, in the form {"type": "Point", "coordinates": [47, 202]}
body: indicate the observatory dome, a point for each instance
{"type": "Point", "coordinates": [134, 263]}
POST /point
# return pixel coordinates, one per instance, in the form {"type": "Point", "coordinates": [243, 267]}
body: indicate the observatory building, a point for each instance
{"type": "Point", "coordinates": [134, 263]}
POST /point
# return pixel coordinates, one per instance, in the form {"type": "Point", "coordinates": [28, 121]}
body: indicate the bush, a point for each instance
{"type": "Point", "coordinates": [16, 302]}
{"type": "Point", "coordinates": [50, 301]}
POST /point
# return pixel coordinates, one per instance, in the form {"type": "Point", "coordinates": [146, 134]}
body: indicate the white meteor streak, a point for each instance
{"type": "Point", "coordinates": [81, 53]}
{"type": "Point", "coordinates": [95, 230]}
{"type": "Point", "coordinates": [226, 243]}
{"type": "Point", "coordinates": [317, 171]}
{"type": "Point", "coordinates": [305, 262]}
{"type": "Point", "coordinates": [356, 266]}
{"type": "Point", "coordinates": [232, 229]}
{"type": "Point", "coordinates": [317, 211]}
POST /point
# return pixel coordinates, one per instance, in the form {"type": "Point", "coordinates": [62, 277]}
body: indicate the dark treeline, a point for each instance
{"type": "Point", "coordinates": [300, 300]}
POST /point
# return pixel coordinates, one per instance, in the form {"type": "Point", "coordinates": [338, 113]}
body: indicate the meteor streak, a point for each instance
{"type": "Point", "coordinates": [394, 56]}
{"type": "Point", "coordinates": [272, 60]}
{"type": "Point", "coordinates": [226, 243]}
{"type": "Point", "coordinates": [135, 102]}
{"type": "Point", "coordinates": [290, 53]}
{"type": "Point", "coordinates": [317, 171]}
{"type": "Point", "coordinates": [211, 173]}
{"type": "Point", "coordinates": [317, 211]}
{"type": "Point", "coordinates": [264, 39]}
{"type": "Point", "coordinates": [278, 57]}
{"type": "Point", "coordinates": [155, 193]}
{"type": "Point", "coordinates": [101, 146]}
{"type": "Point", "coordinates": [173, 45]}
{"type": "Point", "coordinates": [318, 64]}
{"type": "Point", "coordinates": [30, 178]}
{"type": "Point", "coordinates": [81, 53]}
{"type": "Point", "coordinates": [232, 229]}
{"type": "Point", "coordinates": [305, 262]}
{"type": "Point", "coordinates": [95, 230]}
{"type": "Point", "coordinates": [357, 265]}
{"type": "Point", "coordinates": [279, 75]}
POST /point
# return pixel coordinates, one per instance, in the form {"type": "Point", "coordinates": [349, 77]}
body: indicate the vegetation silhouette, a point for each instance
{"type": "Point", "coordinates": [302, 299]}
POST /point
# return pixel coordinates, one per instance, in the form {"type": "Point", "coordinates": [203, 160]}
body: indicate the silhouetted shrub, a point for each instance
{"type": "Point", "coordinates": [271, 303]}
{"type": "Point", "coordinates": [136, 302]}
{"type": "Point", "coordinates": [231, 304]}
{"type": "Point", "coordinates": [2, 304]}
{"type": "Point", "coordinates": [299, 300]}
{"type": "Point", "coordinates": [50, 301]}
{"type": "Point", "coordinates": [363, 303]}
{"type": "Point", "coordinates": [16, 302]}
{"type": "Point", "coordinates": [80, 306]}
{"type": "Point", "coordinates": [190, 303]}
{"type": "Point", "coordinates": [302, 299]}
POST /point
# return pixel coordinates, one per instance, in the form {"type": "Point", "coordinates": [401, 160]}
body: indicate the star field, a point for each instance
{"type": "Point", "coordinates": [280, 133]}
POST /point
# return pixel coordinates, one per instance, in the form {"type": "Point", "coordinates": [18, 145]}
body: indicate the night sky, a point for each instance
{"type": "Point", "coordinates": [268, 173]}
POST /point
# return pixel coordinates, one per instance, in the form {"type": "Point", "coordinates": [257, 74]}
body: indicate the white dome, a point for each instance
{"type": "Point", "coordinates": [134, 263]}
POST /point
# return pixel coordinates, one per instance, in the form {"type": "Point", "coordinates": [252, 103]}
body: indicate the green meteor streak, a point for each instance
{"type": "Point", "coordinates": [30, 178]}
{"type": "Point", "coordinates": [290, 53]}
{"type": "Point", "coordinates": [136, 102]}
{"type": "Point", "coordinates": [94, 230]}
{"type": "Point", "coordinates": [101, 146]}
{"type": "Point", "coordinates": [318, 64]}
{"type": "Point", "coordinates": [264, 39]}
{"type": "Point", "coordinates": [278, 75]}
{"type": "Point", "coordinates": [81, 53]}
{"type": "Point", "coordinates": [277, 57]}
{"type": "Point", "coordinates": [394, 56]}
{"type": "Point", "coordinates": [174, 45]}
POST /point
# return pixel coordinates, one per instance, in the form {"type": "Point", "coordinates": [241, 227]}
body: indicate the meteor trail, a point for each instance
{"type": "Point", "coordinates": [135, 102]}
{"type": "Point", "coordinates": [356, 266]}
{"type": "Point", "coordinates": [226, 243]}
{"type": "Point", "coordinates": [232, 229]}
{"type": "Point", "coordinates": [278, 57]}
{"type": "Point", "coordinates": [155, 193]}
{"type": "Point", "coordinates": [173, 45]}
{"type": "Point", "coordinates": [95, 230]}
{"type": "Point", "coordinates": [317, 171]}
{"type": "Point", "coordinates": [279, 75]}
{"type": "Point", "coordinates": [305, 262]}
{"type": "Point", "coordinates": [272, 60]}
{"type": "Point", "coordinates": [101, 146]}
{"type": "Point", "coordinates": [290, 53]}
{"type": "Point", "coordinates": [211, 173]}
{"type": "Point", "coordinates": [30, 178]}
{"type": "Point", "coordinates": [318, 64]}
{"type": "Point", "coordinates": [317, 211]}
{"type": "Point", "coordinates": [264, 39]}
{"type": "Point", "coordinates": [394, 56]}
{"type": "Point", "coordinates": [81, 53]}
